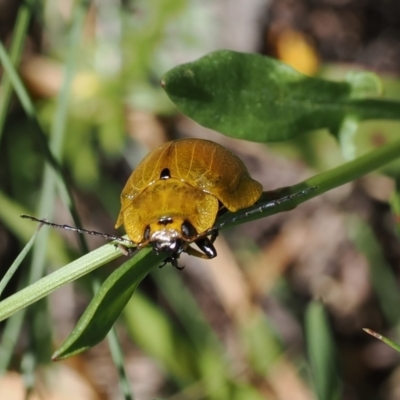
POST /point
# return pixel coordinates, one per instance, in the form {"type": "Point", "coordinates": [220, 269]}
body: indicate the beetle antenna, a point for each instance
{"type": "Point", "coordinates": [79, 230]}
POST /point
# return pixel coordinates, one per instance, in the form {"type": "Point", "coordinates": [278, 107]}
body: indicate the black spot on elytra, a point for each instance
{"type": "Point", "coordinates": [165, 174]}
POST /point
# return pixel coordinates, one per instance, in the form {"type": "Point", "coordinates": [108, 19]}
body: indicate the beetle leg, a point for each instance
{"type": "Point", "coordinates": [214, 235]}
{"type": "Point", "coordinates": [126, 251]}
{"type": "Point", "coordinates": [195, 253]}
{"type": "Point", "coordinates": [206, 246]}
{"type": "Point", "coordinates": [174, 262]}
{"type": "Point", "coordinates": [222, 210]}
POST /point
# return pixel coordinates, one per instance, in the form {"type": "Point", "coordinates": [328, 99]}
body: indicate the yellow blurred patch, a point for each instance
{"type": "Point", "coordinates": [295, 49]}
{"type": "Point", "coordinates": [85, 86]}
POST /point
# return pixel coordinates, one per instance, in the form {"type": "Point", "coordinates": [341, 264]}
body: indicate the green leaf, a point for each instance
{"type": "Point", "coordinates": [321, 353]}
{"type": "Point", "coordinates": [108, 303]}
{"type": "Point", "coordinates": [248, 96]}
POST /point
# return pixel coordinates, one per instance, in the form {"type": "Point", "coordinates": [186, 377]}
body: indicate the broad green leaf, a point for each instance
{"type": "Point", "coordinates": [108, 303]}
{"type": "Point", "coordinates": [321, 353]}
{"type": "Point", "coordinates": [248, 96]}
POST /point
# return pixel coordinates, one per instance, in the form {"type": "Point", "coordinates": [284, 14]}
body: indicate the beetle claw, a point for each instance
{"type": "Point", "coordinates": [126, 251]}
{"type": "Point", "coordinates": [174, 262]}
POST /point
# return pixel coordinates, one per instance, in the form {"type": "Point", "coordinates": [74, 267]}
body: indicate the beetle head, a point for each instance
{"type": "Point", "coordinates": [170, 235]}
{"type": "Point", "coordinates": [174, 236]}
{"type": "Point", "coordinates": [167, 241]}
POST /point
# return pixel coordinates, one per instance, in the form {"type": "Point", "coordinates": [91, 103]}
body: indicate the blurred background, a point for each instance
{"type": "Point", "coordinates": [240, 326]}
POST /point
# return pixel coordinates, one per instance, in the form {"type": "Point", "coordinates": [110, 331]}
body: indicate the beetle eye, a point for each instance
{"type": "Point", "coordinates": [188, 229]}
{"type": "Point", "coordinates": [165, 174]}
{"type": "Point", "coordinates": [147, 233]}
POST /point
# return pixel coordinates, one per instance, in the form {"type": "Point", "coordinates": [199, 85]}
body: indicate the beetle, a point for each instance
{"type": "Point", "coordinates": [173, 197]}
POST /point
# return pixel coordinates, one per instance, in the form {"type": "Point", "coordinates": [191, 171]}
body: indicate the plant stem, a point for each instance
{"type": "Point", "coordinates": [353, 169]}
{"type": "Point", "coordinates": [322, 183]}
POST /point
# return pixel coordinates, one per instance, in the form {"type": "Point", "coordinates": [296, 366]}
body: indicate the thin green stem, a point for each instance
{"type": "Point", "coordinates": [321, 183]}
{"type": "Point", "coordinates": [353, 170]}
{"type": "Point", "coordinates": [384, 339]}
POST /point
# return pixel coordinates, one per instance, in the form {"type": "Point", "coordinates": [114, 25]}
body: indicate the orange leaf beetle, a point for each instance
{"type": "Point", "coordinates": [174, 195]}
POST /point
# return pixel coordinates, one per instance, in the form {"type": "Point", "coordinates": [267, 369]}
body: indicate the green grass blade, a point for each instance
{"type": "Point", "coordinates": [321, 353]}
{"type": "Point", "coordinates": [383, 280]}
{"type": "Point", "coordinates": [42, 140]}
{"type": "Point", "coordinates": [16, 82]}
{"type": "Point", "coordinates": [17, 262]}
{"type": "Point", "coordinates": [9, 339]}
{"type": "Point", "coordinates": [118, 359]}
{"type": "Point", "coordinates": [151, 329]}
{"type": "Point", "coordinates": [384, 339]}
{"type": "Point", "coordinates": [116, 353]}
{"type": "Point", "coordinates": [10, 213]}
{"type": "Point", "coordinates": [108, 303]}
{"type": "Point", "coordinates": [395, 205]}
{"type": "Point", "coordinates": [53, 281]}
{"type": "Point", "coordinates": [185, 307]}
{"type": "Point", "coordinates": [16, 48]}
{"type": "Point", "coordinates": [41, 332]}
{"type": "Point", "coordinates": [57, 134]}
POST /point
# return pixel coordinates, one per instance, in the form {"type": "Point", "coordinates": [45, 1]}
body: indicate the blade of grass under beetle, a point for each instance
{"type": "Point", "coordinates": [321, 353]}
{"type": "Point", "coordinates": [252, 97]}
{"type": "Point", "coordinates": [108, 303]}
{"type": "Point", "coordinates": [56, 279]}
